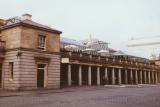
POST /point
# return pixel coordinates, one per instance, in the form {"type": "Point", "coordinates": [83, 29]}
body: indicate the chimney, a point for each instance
{"type": "Point", "coordinates": [27, 16]}
{"type": "Point", "coordinates": [2, 22]}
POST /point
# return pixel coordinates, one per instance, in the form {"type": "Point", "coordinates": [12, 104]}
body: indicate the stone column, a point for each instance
{"type": "Point", "coordinates": [156, 79]}
{"type": "Point", "coordinates": [106, 76]}
{"type": "Point", "coordinates": [152, 77]}
{"type": "Point", "coordinates": [140, 77]}
{"type": "Point", "coordinates": [149, 77]}
{"type": "Point", "coordinates": [80, 75]}
{"type": "Point", "coordinates": [145, 78]}
{"type": "Point", "coordinates": [98, 76]}
{"type": "Point", "coordinates": [131, 76]}
{"type": "Point", "coordinates": [69, 75]}
{"type": "Point", "coordinates": [113, 77]}
{"type": "Point", "coordinates": [136, 77]}
{"type": "Point", "coordinates": [89, 76]}
{"type": "Point", "coordinates": [126, 77]}
{"type": "Point", "coordinates": [158, 76]}
{"type": "Point", "coordinates": [119, 76]}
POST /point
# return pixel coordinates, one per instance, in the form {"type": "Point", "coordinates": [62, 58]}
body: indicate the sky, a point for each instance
{"type": "Point", "coordinates": [114, 21]}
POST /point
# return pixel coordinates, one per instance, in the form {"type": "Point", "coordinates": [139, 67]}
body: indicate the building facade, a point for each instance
{"type": "Point", "coordinates": [79, 68]}
{"type": "Point", "coordinates": [33, 56]}
{"type": "Point", "coordinates": [30, 56]}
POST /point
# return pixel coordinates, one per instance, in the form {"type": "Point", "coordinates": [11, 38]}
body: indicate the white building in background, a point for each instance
{"type": "Point", "coordinates": [148, 47]}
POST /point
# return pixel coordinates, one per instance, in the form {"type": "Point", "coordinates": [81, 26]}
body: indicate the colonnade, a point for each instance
{"type": "Point", "coordinates": [114, 75]}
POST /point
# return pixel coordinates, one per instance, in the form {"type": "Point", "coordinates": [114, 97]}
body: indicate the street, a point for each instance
{"type": "Point", "coordinates": [89, 97]}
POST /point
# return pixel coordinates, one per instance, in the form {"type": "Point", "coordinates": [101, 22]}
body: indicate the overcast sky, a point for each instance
{"type": "Point", "coordinates": [114, 21]}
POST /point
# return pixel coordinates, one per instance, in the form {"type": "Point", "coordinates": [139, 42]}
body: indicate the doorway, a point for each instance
{"type": "Point", "coordinates": [41, 68]}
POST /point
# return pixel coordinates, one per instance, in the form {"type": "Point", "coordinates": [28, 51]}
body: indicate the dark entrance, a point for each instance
{"type": "Point", "coordinates": [84, 75]}
{"type": "Point", "coordinates": [74, 75]}
{"type": "Point", "coordinates": [63, 75]}
{"type": "Point", "coordinates": [129, 77]}
{"type": "Point", "coordinates": [123, 76]}
{"type": "Point", "coordinates": [94, 75]}
{"type": "Point", "coordinates": [0, 75]}
{"type": "Point", "coordinates": [102, 76]}
{"type": "Point", "coordinates": [134, 76]}
{"type": "Point", "coordinates": [143, 77]}
{"type": "Point", "coordinates": [116, 75]}
{"type": "Point", "coordinates": [109, 81]}
{"type": "Point", "coordinates": [40, 75]}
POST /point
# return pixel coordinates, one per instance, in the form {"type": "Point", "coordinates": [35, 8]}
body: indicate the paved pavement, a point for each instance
{"type": "Point", "coordinates": [145, 96]}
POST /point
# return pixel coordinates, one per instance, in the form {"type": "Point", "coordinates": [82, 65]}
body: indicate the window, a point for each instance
{"type": "Point", "coordinates": [11, 70]}
{"type": "Point", "coordinates": [42, 42]}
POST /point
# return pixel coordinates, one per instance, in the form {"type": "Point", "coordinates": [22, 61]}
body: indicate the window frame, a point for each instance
{"type": "Point", "coordinates": [11, 69]}
{"type": "Point", "coordinates": [41, 41]}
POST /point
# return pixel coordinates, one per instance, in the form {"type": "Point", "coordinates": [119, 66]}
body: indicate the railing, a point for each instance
{"type": "Point", "coordinates": [107, 60]}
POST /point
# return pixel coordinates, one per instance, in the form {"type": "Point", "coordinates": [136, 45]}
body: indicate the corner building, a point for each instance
{"type": "Point", "coordinates": [29, 55]}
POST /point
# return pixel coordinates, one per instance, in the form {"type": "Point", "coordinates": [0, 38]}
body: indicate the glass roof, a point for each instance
{"type": "Point", "coordinates": [70, 41]}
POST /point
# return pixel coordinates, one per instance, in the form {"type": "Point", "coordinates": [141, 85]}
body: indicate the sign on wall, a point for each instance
{"type": "Point", "coordinates": [65, 60]}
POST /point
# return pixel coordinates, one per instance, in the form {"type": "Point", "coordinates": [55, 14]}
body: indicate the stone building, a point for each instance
{"type": "Point", "coordinates": [94, 68]}
{"type": "Point", "coordinates": [29, 55]}
{"type": "Point", "coordinates": [33, 56]}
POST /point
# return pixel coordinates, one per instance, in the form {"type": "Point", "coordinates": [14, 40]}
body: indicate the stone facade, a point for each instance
{"type": "Point", "coordinates": [88, 69]}
{"type": "Point", "coordinates": [22, 50]}
{"type": "Point", "coordinates": [24, 37]}
{"type": "Point", "coordinates": [25, 70]}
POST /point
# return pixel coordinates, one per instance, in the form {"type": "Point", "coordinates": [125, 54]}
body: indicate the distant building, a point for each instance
{"type": "Point", "coordinates": [90, 67]}
{"type": "Point", "coordinates": [71, 42]}
{"type": "Point", "coordinates": [90, 45]}
{"type": "Point", "coordinates": [148, 47]}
